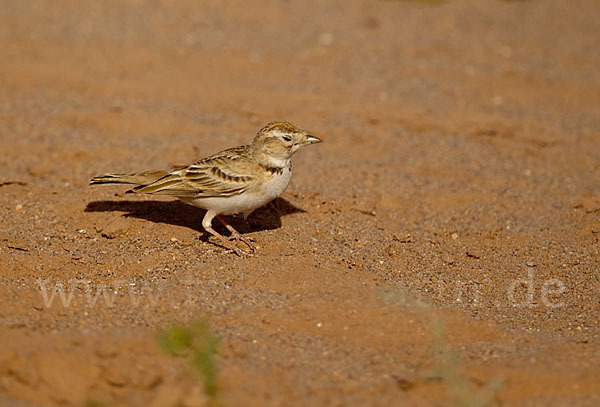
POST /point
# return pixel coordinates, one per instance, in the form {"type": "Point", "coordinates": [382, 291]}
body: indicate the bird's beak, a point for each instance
{"type": "Point", "coordinates": [311, 140]}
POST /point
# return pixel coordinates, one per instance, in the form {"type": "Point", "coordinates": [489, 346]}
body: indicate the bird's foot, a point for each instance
{"type": "Point", "coordinates": [246, 240]}
{"type": "Point", "coordinates": [227, 242]}
{"type": "Point", "coordinates": [239, 252]}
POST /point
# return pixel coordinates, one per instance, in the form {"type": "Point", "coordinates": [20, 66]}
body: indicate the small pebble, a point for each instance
{"type": "Point", "coordinates": [18, 207]}
{"type": "Point", "coordinates": [530, 264]}
{"type": "Point", "coordinates": [448, 259]}
{"type": "Point", "coordinates": [454, 236]}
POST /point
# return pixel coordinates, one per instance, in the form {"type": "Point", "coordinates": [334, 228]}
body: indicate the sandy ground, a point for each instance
{"type": "Point", "coordinates": [458, 185]}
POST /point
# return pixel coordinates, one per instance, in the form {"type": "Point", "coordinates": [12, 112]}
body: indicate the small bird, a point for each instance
{"type": "Point", "coordinates": [236, 180]}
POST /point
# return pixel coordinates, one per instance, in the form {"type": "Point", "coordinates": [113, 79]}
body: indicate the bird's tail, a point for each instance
{"type": "Point", "coordinates": [138, 178]}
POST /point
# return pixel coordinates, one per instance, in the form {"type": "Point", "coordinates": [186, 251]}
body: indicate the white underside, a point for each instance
{"type": "Point", "coordinates": [247, 201]}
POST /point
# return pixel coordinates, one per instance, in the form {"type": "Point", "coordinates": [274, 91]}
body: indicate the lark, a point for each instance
{"type": "Point", "coordinates": [233, 181]}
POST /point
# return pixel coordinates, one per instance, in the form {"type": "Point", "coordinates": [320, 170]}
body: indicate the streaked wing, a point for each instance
{"type": "Point", "coordinates": [222, 174]}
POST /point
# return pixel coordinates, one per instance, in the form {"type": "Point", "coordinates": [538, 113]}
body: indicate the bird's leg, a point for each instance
{"type": "Point", "coordinates": [206, 224]}
{"type": "Point", "coordinates": [235, 234]}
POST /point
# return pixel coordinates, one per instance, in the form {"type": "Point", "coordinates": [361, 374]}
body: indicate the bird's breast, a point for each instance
{"type": "Point", "coordinates": [276, 183]}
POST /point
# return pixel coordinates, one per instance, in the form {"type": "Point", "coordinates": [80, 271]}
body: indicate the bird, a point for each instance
{"type": "Point", "coordinates": [236, 180]}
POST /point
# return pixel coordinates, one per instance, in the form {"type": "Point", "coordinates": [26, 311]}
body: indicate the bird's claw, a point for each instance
{"type": "Point", "coordinates": [240, 252]}
{"type": "Point", "coordinates": [246, 240]}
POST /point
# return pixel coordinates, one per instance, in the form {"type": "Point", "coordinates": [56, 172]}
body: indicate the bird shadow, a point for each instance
{"type": "Point", "coordinates": [178, 213]}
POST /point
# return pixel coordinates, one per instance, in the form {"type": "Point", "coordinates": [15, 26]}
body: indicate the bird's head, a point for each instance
{"type": "Point", "coordinates": [276, 142]}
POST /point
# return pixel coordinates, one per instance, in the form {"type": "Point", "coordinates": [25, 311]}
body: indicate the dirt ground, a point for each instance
{"type": "Point", "coordinates": [443, 239]}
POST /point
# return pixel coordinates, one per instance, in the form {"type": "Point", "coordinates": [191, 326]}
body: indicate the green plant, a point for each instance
{"type": "Point", "coordinates": [199, 346]}
{"type": "Point", "coordinates": [460, 390]}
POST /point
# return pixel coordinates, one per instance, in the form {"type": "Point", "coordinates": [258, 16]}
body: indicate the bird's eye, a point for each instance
{"type": "Point", "coordinates": [287, 138]}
